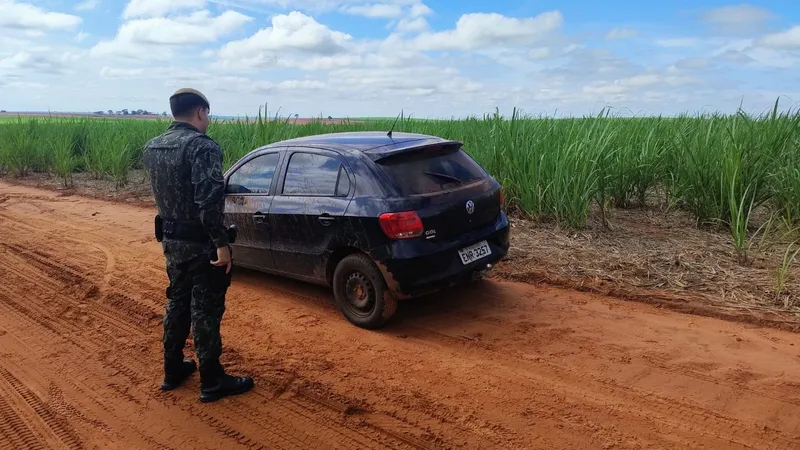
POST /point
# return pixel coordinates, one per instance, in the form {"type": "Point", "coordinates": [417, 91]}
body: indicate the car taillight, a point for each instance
{"type": "Point", "coordinates": [401, 225]}
{"type": "Point", "coordinates": [502, 198]}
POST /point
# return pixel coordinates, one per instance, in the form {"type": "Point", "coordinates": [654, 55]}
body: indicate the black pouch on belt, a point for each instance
{"type": "Point", "coordinates": [159, 228]}
{"type": "Point", "coordinates": [232, 232]}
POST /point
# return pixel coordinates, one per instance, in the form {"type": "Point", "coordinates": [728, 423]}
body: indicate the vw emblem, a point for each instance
{"type": "Point", "coordinates": [470, 207]}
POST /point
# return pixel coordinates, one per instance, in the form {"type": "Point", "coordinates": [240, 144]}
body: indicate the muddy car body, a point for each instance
{"type": "Point", "coordinates": [376, 217]}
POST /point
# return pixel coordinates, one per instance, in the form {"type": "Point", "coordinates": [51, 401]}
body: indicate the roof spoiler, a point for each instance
{"type": "Point", "coordinates": [447, 146]}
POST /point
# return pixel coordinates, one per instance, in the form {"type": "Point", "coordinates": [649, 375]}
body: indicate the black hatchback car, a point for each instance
{"type": "Point", "coordinates": [376, 216]}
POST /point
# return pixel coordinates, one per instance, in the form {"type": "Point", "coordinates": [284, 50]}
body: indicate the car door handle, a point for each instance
{"type": "Point", "coordinates": [259, 217]}
{"type": "Point", "coordinates": [325, 219]}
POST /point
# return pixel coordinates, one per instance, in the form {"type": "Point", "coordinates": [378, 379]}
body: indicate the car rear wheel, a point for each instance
{"type": "Point", "coordinates": [361, 292]}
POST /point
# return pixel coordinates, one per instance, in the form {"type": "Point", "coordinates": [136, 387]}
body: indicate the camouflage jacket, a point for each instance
{"type": "Point", "coordinates": [185, 169]}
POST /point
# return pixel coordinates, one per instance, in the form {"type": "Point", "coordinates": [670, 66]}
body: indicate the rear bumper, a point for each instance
{"type": "Point", "coordinates": [419, 267]}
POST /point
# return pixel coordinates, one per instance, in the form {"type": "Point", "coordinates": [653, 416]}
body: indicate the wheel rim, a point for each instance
{"type": "Point", "coordinates": [360, 294]}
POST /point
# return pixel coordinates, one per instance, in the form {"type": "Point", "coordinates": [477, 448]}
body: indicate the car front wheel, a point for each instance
{"type": "Point", "coordinates": [361, 292]}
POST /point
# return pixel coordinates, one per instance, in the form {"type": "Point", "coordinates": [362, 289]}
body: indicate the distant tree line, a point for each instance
{"type": "Point", "coordinates": [126, 112]}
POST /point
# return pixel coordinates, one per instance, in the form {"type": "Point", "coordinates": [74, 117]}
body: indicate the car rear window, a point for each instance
{"type": "Point", "coordinates": [431, 171]}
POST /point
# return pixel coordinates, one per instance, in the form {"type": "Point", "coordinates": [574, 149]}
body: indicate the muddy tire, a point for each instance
{"type": "Point", "coordinates": [361, 293]}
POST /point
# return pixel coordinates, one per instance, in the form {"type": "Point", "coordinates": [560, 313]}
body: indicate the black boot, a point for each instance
{"type": "Point", "coordinates": [175, 377]}
{"type": "Point", "coordinates": [223, 387]}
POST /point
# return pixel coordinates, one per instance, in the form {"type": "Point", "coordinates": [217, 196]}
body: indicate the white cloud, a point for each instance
{"type": "Point", "coordinates": [81, 36]}
{"type": "Point", "coordinates": [491, 30]}
{"type": "Point", "coordinates": [735, 56]}
{"type": "Point", "coordinates": [621, 33]}
{"type": "Point", "coordinates": [738, 20]}
{"type": "Point", "coordinates": [25, 16]}
{"type": "Point", "coordinates": [17, 84]}
{"type": "Point", "coordinates": [419, 10]}
{"type": "Point", "coordinates": [540, 53]}
{"type": "Point", "coordinates": [416, 25]}
{"type": "Point", "coordinates": [156, 8]}
{"type": "Point", "coordinates": [193, 29]}
{"type": "Point", "coordinates": [737, 15]}
{"type": "Point", "coordinates": [420, 81]}
{"type": "Point", "coordinates": [691, 63]}
{"type": "Point", "coordinates": [768, 58]}
{"type": "Point", "coordinates": [289, 33]}
{"type": "Point", "coordinates": [759, 54]}
{"type": "Point", "coordinates": [367, 8]}
{"type": "Point", "coordinates": [625, 85]}
{"type": "Point", "coordinates": [38, 63]}
{"type": "Point", "coordinates": [109, 72]}
{"type": "Point", "coordinates": [135, 36]}
{"type": "Point", "coordinates": [320, 63]}
{"type": "Point", "coordinates": [788, 39]}
{"type": "Point", "coordinates": [375, 11]}
{"type": "Point", "coordinates": [302, 85]}
{"type": "Point", "coordinates": [87, 5]}
{"type": "Point", "coordinates": [239, 85]}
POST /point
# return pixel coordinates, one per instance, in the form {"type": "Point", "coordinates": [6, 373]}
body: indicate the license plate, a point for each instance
{"type": "Point", "coordinates": [475, 252]}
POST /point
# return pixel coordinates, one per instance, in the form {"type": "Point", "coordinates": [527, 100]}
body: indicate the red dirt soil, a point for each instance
{"type": "Point", "coordinates": [492, 365]}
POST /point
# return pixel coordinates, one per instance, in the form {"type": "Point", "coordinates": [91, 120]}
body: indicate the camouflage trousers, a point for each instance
{"type": "Point", "coordinates": [196, 303]}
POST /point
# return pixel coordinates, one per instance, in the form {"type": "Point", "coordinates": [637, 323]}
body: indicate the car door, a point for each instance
{"type": "Point", "coordinates": [307, 214]}
{"type": "Point", "coordinates": [248, 198]}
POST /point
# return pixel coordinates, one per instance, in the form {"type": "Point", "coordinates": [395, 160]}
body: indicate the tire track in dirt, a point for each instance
{"type": "Point", "coordinates": [120, 297]}
{"type": "Point", "coordinates": [60, 271]}
{"type": "Point", "coordinates": [56, 325]}
{"type": "Point", "coordinates": [36, 315]}
{"type": "Point", "coordinates": [486, 435]}
{"type": "Point", "coordinates": [294, 398]}
{"type": "Point", "coordinates": [123, 304]}
{"type": "Point", "coordinates": [659, 363]}
{"type": "Point", "coordinates": [60, 405]}
{"type": "Point", "coordinates": [572, 386]}
{"type": "Point", "coordinates": [420, 416]}
{"type": "Point", "coordinates": [16, 266]}
{"type": "Point", "coordinates": [482, 432]}
{"type": "Point", "coordinates": [267, 408]}
{"type": "Point", "coordinates": [65, 317]}
{"type": "Point", "coordinates": [85, 290]}
{"type": "Point", "coordinates": [17, 435]}
{"type": "Point", "coordinates": [132, 375]}
{"type": "Point", "coordinates": [60, 234]}
{"type": "Point", "coordinates": [133, 378]}
{"type": "Point", "coordinates": [55, 423]}
{"type": "Point", "coordinates": [30, 355]}
{"type": "Point", "coordinates": [380, 426]}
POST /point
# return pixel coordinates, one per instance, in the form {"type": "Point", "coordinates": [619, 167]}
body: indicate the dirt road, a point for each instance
{"type": "Point", "coordinates": [492, 366]}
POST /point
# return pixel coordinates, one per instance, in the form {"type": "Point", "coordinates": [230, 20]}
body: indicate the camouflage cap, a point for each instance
{"type": "Point", "coordinates": [191, 91]}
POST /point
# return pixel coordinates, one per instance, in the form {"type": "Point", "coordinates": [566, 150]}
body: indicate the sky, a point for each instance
{"type": "Point", "coordinates": [427, 58]}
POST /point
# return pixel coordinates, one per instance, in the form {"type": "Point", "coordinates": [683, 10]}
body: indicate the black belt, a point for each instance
{"type": "Point", "coordinates": [187, 231]}
{"type": "Point", "coordinates": [180, 230]}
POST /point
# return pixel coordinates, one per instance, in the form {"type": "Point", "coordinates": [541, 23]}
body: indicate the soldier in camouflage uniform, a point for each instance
{"type": "Point", "coordinates": [185, 167]}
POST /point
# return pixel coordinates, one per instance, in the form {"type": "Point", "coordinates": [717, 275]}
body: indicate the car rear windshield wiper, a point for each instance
{"type": "Point", "coordinates": [445, 176]}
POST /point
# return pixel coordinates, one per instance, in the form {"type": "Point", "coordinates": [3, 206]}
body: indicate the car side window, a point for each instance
{"type": "Point", "coordinates": [254, 176]}
{"type": "Point", "coordinates": [343, 183]}
{"type": "Point", "coordinates": [316, 175]}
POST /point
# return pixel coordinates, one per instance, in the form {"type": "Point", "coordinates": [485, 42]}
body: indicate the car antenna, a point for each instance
{"type": "Point", "coordinates": [395, 123]}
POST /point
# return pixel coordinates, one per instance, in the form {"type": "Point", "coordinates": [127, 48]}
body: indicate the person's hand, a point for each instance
{"type": "Point", "coordinates": [223, 258]}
